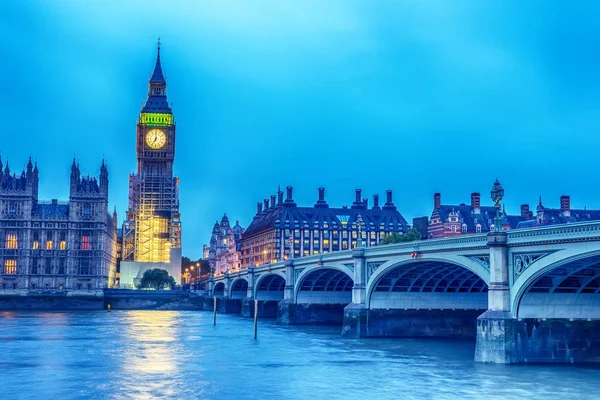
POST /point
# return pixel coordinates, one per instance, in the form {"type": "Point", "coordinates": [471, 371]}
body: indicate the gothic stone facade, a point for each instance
{"type": "Point", "coordinates": [56, 245]}
{"type": "Point", "coordinates": [224, 253]}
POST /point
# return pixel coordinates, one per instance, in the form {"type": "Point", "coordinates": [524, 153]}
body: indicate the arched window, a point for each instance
{"type": "Point", "coordinates": [464, 228]}
{"type": "Point", "coordinates": [478, 228]}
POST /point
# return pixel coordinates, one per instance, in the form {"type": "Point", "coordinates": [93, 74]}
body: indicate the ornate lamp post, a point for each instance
{"type": "Point", "coordinates": [497, 193]}
{"type": "Point", "coordinates": [359, 223]}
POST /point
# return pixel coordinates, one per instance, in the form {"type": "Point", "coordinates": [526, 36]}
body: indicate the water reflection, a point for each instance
{"type": "Point", "coordinates": [180, 355]}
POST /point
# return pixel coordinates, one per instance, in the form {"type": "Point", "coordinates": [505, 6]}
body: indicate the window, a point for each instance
{"type": "Point", "coordinates": [61, 266]}
{"type": "Point", "coordinates": [48, 268]}
{"type": "Point", "coordinates": [34, 266]}
{"type": "Point", "coordinates": [478, 228]}
{"type": "Point", "coordinates": [464, 228]}
{"type": "Point", "coordinates": [86, 245]}
{"type": "Point", "coordinates": [453, 228]}
{"type": "Point", "coordinates": [10, 267]}
{"type": "Point", "coordinates": [84, 267]}
{"type": "Point", "coordinates": [63, 245]}
{"type": "Point", "coordinates": [11, 241]}
{"type": "Point", "coordinates": [49, 245]}
{"type": "Point", "coordinates": [36, 245]}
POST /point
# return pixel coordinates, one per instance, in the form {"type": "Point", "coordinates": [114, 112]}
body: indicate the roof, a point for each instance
{"type": "Point", "coordinates": [157, 74]}
{"type": "Point", "coordinates": [485, 218]}
{"type": "Point", "coordinates": [51, 210]}
{"type": "Point", "coordinates": [554, 216]}
{"type": "Point", "coordinates": [282, 216]}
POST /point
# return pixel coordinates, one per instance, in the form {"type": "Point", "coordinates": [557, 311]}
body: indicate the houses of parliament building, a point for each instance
{"type": "Point", "coordinates": [56, 245]}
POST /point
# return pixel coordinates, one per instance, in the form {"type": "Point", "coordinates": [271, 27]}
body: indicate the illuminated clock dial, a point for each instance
{"type": "Point", "coordinates": [155, 138]}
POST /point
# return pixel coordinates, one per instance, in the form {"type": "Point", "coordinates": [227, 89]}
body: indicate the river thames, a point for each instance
{"type": "Point", "coordinates": [181, 355]}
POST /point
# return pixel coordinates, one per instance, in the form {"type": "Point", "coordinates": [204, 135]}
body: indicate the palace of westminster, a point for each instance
{"type": "Point", "coordinates": [77, 245]}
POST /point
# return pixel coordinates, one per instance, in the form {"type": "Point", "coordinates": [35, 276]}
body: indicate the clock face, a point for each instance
{"type": "Point", "coordinates": [155, 138]}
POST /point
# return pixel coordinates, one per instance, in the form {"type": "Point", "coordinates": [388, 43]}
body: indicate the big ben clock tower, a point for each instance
{"type": "Point", "coordinates": [152, 230]}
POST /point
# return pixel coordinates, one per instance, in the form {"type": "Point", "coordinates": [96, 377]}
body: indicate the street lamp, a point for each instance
{"type": "Point", "coordinates": [497, 193]}
{"type": "Point", "coordinates": [359, 222]}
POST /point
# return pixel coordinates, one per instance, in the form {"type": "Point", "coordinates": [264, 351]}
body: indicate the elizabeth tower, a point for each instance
{"type": "Point", "coordinates": [152, 232]}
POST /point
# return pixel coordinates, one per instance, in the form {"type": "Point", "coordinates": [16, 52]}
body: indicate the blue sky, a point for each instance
{"type": "Point", "coordinates": [415, 96]}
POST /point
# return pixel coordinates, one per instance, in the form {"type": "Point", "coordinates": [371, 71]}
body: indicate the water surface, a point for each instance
{"type": "Point", "coordinates": [181, 355]}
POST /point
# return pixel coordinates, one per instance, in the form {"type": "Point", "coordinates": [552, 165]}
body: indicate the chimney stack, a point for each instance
{"type": "Point", "coordinates": [389, 204]}
{"type": "Point", "coordinates": [272, 201]}
{"type": "Point", "coordinates": [565, 205]}
{"type": "Point", "coordinates": [366, 202]}
{"type": "Point", "coordinates": [357, 199]}
{"type": "Point", "coordinates": [289, 201]}
{"type": "Point", "coordinates": [475, 200]}
{"type": "Point", "coordinates": [279, 196]}
{"type": "Point", "coordinates": [437, 200]}
{"type": "Point", "coordinates": [266, 207]}
{"type": "Point", "coordinates": [376, 202]}
{"type": "Point", "coordinates": [321, 203]}
{"type": "Point", "coordinates": [525, 211]}
{"type": "Point", "coordinates": [258, 207]}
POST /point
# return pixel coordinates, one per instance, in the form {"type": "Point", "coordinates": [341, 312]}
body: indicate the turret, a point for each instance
{"type": "Point", "coordinates": [75, 176]}
{"type": "Point", "coordinates": [104, 179]}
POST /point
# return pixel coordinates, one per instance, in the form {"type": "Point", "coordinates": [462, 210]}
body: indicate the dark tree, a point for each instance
{"type": "Point", "coordinates": [156, 279]}
{"type": "Point", "coordinates": [395, 237]}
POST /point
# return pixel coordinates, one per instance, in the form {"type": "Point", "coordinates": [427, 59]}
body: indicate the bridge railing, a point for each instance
{"type": "Point", "coordinates": [575, 232]}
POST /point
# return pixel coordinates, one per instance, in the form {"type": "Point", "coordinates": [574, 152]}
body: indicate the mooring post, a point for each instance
{"type": "Point", "coordinates": [255, 318]}
{"type": "Point", "coordinates": [215, 310]}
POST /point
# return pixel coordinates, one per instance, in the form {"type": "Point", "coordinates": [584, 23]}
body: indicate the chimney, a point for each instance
{"type": "Point", "coordinates": [437, 200]}
{"type": "Point", "coordinates": [525, 211]}
{"type": "Point", "coordinates": [279, 196]}
{"type": "Point", "coordinates": [376, 202]}
{"type": "Point", "coordinates": [258, 207]}
{"type": "Point", "coordinates": [366, 202]}
{"type": "Point", "coordinates": [321, 203]}
{"type": "Point", "coordinates": [266, 204]}
{"type": "Point", "coordinates": [389, 204]}
{"type": "Point", "coordinates": [272, 200]}
{"type": "Point", "coordinates": [565, 205]}
{"type": "Point", "coordinates": [289, 201]}
{"type": "Point", "coordinates": [357, 199]}
{"type": "Point", "coordinates": [475, 200]}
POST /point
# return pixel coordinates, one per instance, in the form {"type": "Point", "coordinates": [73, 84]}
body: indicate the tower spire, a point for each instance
{"type": "Point", "coordinates": [157, 76]}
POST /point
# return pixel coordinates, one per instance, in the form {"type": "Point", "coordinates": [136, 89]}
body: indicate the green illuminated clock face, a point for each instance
{"type": "Point", "coordinates": [155, 138]}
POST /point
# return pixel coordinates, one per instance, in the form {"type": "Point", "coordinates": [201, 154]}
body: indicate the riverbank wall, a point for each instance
{"type": "Point", "coordinates": [118, 299]}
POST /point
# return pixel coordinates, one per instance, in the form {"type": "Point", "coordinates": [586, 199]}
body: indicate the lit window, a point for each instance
{"type": "Point", "coordinates": [11, 241]}
{"type": "Point", "coordinates": [63, 245]}
{"type": "Point", "coordinates": [85, 242]}
{"type": "Point", "coordinates": [225, 241]}
{"type": "Point", "coordinates": [49, 245]}
{"type": "Point", "coordinates": [36, 245]}
{"type": "Point", "coordinates": [10, 267]}
{"type": "Point", "coordinates": [325, 242]}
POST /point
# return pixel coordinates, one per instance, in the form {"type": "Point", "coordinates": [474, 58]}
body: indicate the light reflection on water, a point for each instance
{"type": "Point", "coordinates": [180, 355]}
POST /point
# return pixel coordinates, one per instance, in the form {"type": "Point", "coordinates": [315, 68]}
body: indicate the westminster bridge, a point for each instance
{"type": "Point", "coordinates": [527, 295]}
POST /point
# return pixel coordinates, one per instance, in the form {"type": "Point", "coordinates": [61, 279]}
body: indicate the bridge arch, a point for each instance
{"type": "Point", "coordinates": [449, 284]}
{"type": "Point", "coordinates": [219, 289]}
{"type": "Point", "coordinates": [269, 287]}
{"type": "Point", "coordinates": [327, 284]}
{"type": "Point", "coordinates": [239, 288]}
{"type": "Point", "coordinates": [559, 286]}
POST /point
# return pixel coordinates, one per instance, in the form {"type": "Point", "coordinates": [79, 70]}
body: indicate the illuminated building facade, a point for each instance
{"type": "Point", "coordinates": [56, 245]}
{"type": "Point", "coordinates": [280, 225]}
{"type": "Point", "coordinates": [152, 229]}
{"type": "Point", "coordinates": [224, 252]}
